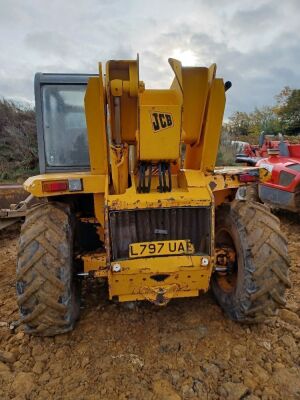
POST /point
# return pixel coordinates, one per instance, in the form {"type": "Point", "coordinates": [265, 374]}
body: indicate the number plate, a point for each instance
{"type": "Point", "coordinates": [163, 248]}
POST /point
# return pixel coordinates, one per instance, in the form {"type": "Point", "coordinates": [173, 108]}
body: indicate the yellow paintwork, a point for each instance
{"type": "Point", "coordinates": [160, 248]}
{"type": "Point", "coordinates": [163, 143]}
{"type": "Point", "coordinates": [164, 265]}
{"type": "Point", "coordinates": [119, 167]}
{"type": "Point", "coordinates": [127, 72]}
{"type": "Point", "coordinates": [134, 278]}
{"type": "Point", "coordinates": [195, 89]}
{"type": "Point", "coordinates": [95, 263]}
{"type": "Point", "coordinates": [91, 183]}
{"type": "Point", "coordinates": [186, 276]}
{"type": "Point", "coordinates": [210, 137]}
{"type": "Point", "coordinates": [264, 175]}
{"type": "Point", "coordinates": [121, 112]}
{"type": "Point", "coordinates": [99, 207]}
{"type": "Point", "coordinates": [203, 155]}
{"type": "Point", "coordinates": [95, 120]}
{"type": "Point", "coordinates": [150, 294]}
{"type": "Point", "coordinates": [182, 196]}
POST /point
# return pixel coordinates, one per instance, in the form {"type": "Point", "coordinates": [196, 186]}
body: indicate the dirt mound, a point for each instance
{"type": "Point", "coordinates": [188, 350]}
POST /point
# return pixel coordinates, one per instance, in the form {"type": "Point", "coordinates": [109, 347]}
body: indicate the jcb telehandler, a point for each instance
{"type": "Point", "coordinates": [130, 194]}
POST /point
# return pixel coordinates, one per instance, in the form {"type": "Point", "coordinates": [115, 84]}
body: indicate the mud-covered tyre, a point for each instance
{"type": "Point", "coordinates": [252, 193]}
{"type": "Point", "coordinates": [255, 288]}
{"type": "Point", "coordinates": [47, 291]}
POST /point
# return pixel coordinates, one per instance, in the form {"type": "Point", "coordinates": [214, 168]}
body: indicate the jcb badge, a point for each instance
{"type": "Point", "coordinates": [161, 121]}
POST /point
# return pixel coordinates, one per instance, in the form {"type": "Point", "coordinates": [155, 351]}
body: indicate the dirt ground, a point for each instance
{"type": "Point", "coordinates": [187, 350]}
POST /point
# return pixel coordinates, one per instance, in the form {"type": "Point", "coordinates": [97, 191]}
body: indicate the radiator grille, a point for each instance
{"type": "Point", "coordinates": [146, 225]}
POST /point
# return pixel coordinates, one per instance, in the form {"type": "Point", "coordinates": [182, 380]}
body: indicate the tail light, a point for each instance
{"type": "Point", "coordinates": [55, 186]}
{"type": "Point", "coordinates": [70, 185]}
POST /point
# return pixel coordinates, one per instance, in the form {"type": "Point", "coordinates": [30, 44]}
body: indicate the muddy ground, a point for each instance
{"type": "Point", "coordinates": [188, 350]}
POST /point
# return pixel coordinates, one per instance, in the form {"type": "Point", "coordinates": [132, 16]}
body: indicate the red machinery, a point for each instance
{"type": "Point", "coordinates": [282, 160]}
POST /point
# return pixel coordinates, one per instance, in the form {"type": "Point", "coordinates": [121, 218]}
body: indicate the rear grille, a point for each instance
{"type": "Point", "coordinates": [146, 225]}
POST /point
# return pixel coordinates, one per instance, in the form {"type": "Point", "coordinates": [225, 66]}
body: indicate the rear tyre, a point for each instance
{"type": "Point", "coordinates": [47, 291]}
{"type": "Point", "coordinates": [255, 288]}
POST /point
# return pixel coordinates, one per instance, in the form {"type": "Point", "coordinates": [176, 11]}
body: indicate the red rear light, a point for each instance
{"type": "Point", "coordinates": [247, 178]}
{"type": "Point", "coordinates": [55, 186]}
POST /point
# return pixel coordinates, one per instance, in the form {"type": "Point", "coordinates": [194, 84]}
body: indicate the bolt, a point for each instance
{"type": "Point", "coordinates": [116, 268]}
{"type": "Point", "coordinates": [204, 261]}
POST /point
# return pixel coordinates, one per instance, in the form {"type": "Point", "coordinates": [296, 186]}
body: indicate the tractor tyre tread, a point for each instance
{"type": "Point", "coordinates": [46, 295]}
{"type": "Point", "coordinates": [266, 263]}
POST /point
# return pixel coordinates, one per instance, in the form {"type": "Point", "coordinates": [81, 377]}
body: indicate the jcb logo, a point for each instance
{"type": "Point", "coordinates": [161, 121]}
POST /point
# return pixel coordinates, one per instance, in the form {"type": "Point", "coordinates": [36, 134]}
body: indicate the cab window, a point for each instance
{"type": "Point", "coordinates": [65, 134]}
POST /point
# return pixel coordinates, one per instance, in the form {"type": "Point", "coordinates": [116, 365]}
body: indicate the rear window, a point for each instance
{"type": "Point", "coordinates": [285, 178]}
{"type": "Point", "coordinates": [294, 167]}
{"type": "Point", "coordinates": [65, 133]}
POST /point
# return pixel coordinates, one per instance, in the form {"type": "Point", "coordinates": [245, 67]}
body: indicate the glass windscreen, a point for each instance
{"type": "Point", "coordinates": [295, 167]}
{"type": "Point", "coordinates": [65, 133]}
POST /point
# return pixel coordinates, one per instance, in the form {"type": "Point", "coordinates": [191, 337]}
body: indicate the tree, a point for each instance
{"type": "Point", "coordinates": [264, 119]}
{"type": "Point", "coordinates": [288, 110]}
{"type": "Point", "coordinates": [243, 124]}
{"type": "Point", "coordinates": [282, 97]}
{"type": "Point", "coordinates": [283, 117]}
{"type": "Point", "coordinates": [239, 124]}
{"type": "Point", "coordinates": [18, 144]}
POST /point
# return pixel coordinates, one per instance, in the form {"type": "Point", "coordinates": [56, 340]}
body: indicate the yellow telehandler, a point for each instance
{"type": "Point", "coordinates": [131, 195]}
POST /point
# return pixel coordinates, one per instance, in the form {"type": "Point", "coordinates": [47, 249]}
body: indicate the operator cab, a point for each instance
{"type": "Point", "coordinates": [61, 124]}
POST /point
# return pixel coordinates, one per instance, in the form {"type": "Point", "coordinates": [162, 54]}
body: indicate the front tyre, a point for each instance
{"type": "Point", "coordinates": [47, 290]}
{"type": "Point", "coordinates": [254, 288]}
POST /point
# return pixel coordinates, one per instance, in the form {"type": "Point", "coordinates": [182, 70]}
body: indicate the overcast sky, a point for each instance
{"type": "Point", "coordinates": [255, 43]}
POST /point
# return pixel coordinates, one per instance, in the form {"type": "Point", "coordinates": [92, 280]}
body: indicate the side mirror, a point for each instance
{"type": "Point", "coordinates": [227, 85]}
